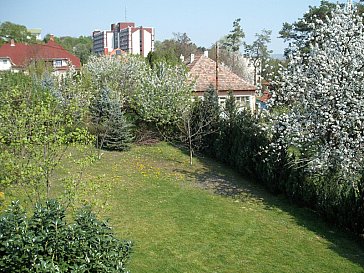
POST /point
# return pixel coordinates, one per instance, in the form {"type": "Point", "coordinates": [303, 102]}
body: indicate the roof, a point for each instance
{"type": "Point", "coordinates": [204, 70]}
{"type": "Point", "coordinates": [21, 54]}
{"type": "Point", "coordinates": [265, 97]}
{"type": "Point", "coordinates": [117, 52]}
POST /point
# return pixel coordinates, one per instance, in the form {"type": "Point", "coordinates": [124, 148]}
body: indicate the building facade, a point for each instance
{"type": "Point", "coordinates": [126, 37]}
{"type": "Point", "coordinates": [103, 42]}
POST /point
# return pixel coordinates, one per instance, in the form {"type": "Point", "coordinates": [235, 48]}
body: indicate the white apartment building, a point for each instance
{"type": "Point", "coordinates": [124, 36]}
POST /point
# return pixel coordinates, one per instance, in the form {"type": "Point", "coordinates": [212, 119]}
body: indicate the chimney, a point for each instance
{"type": "Point", "coordinates": [12, 43]}
{"type": "Point", "coordinates": [182, 58]}
{"type": "Point", "coordinates": [51, 38]}
{"type": "Point", "coordinates": [192, 57]}
{"type": "Point", "coordinates": [206, 53]}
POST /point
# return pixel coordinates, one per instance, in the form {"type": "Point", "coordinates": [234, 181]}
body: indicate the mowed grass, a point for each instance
{"type": "Point", "coordinates": [207, 218]}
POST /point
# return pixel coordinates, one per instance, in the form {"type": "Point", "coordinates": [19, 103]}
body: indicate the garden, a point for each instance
{"type": "Point", "coordinates": [186, 185]}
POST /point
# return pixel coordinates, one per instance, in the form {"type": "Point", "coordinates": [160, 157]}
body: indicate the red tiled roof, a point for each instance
{"type": "Point", "coordinates": [21, 54]}
{"type": "Point", "coordinates": [204, 70]}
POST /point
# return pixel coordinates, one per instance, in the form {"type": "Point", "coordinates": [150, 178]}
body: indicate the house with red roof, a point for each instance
{"type": "Point", "coordinates": [17, 56]}
{"type": "Point", "coordinates": [206, 72]}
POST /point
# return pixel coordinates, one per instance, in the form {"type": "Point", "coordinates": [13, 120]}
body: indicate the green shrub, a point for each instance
{"type": "Point", "coordinates": [46, 243]}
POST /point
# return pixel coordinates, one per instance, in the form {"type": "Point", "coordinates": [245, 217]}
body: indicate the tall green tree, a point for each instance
{"type": "Point", "coordinates": [19, 33]}
{"type": "Point", "coordinates": [258, 52]}
{"type": "Point", "coordinates": [298, 32]}
{"type": "Point", "coordinates": [170, 50]}
{"type": "Point", "coordinates": [234, 39]}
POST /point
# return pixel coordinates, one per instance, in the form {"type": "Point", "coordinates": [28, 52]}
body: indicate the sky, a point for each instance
{"type": "Point", "coordinates": [204, 21]}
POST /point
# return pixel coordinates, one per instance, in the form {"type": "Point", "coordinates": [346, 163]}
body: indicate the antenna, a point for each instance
{"type": "Point", "coordinates": [217, 68]}
{"type": "Point", "coordinates": [125, 12]}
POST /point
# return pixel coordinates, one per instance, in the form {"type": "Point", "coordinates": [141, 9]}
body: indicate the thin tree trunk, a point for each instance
{"type": "Point", "coordinates": [190, 141]}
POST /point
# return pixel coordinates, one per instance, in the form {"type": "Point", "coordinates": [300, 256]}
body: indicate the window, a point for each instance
{"type": "Point", "coordinates": [222, 101]}
{"type": "Point", "coordinates": [243, 101]}
{"type": "Point", "coordinates": [5, 61]}
{"type": "Point", "coordinates": [57, 63]}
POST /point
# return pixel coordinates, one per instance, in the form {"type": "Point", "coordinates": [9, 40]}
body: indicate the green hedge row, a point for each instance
{"type": "Point", "coordinates": [238, 143]}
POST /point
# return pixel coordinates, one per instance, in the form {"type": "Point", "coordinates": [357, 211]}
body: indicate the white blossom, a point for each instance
{"type": "Point", "coordinates": [319, 98]}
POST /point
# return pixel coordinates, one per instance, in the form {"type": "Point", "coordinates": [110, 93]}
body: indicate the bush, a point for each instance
{"type": "Point", "coordinates": [46, 243]}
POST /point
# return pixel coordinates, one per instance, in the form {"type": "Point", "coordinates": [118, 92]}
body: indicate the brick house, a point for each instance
{"type": "Point", "coordinates": [17, 56]}
{"type": "Point", "coordinates": [206, 72]}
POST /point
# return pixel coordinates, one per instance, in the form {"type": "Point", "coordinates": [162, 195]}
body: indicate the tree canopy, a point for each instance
{"type": "Point", "coordinates": [320, 94]}
{"type": "Point", "coordinates": [297, 33]}
{"type": "Point", "coordinates": [19, 33]}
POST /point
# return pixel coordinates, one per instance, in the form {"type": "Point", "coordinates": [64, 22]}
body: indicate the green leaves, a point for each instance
{"type": "Point", "coordinates": [46, 243]}
{"type": "Point", "coordinates": [40, 118]}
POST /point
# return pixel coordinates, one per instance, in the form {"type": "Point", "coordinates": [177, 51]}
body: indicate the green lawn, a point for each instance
{"type": "Point", "coordinates": [207, 218]}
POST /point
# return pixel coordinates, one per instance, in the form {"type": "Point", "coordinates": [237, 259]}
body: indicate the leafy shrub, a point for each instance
{"type": "Point", "coordinates": [46, 243]}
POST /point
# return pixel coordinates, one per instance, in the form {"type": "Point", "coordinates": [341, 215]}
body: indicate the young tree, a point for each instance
{"type": "Point", "coordinates": [40, 120]}
{"type": "Point", "coordinates": [320, 94]}
{"type": "Point", "coordinates": [199, 122]}
{"type": "Point", "coordinates": [109, 123]}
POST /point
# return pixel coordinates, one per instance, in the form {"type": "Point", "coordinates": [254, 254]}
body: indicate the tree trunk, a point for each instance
{"type": "Point", "coordinates": [190, 141]}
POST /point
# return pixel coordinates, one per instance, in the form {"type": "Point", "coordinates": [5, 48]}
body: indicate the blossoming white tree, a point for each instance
{"type": "Point", "coordinates": [320, 97]}
{"type": "Point", "coordinates": [164, 94]}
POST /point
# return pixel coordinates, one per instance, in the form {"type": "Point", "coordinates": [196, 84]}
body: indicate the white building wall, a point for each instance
{"type": "Point", "coordinates": [135, 40]}
{"type": "Point", "coordinates": [109, 39]}
{"type": "Point", "coordinates": [5, 64]}
{"type": "Point", "coordinates": [147, 42]}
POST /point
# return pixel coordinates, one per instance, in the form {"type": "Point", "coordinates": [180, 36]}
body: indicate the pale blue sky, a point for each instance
{"type": "Point", "coordinates": [204, 21]}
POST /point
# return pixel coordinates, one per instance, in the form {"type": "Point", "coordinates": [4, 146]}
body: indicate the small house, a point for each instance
{"type": "Point", "coordinates": [18, 56]}
{"type": "Point", "coordinates": [207, 72]}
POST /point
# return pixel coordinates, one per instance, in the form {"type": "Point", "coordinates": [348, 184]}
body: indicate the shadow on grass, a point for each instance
{"type": "Point", "coordinates": [222, 180]}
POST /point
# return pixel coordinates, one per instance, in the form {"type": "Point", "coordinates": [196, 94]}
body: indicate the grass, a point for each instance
{"type": "Point", "coordinates": [207, 218]}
